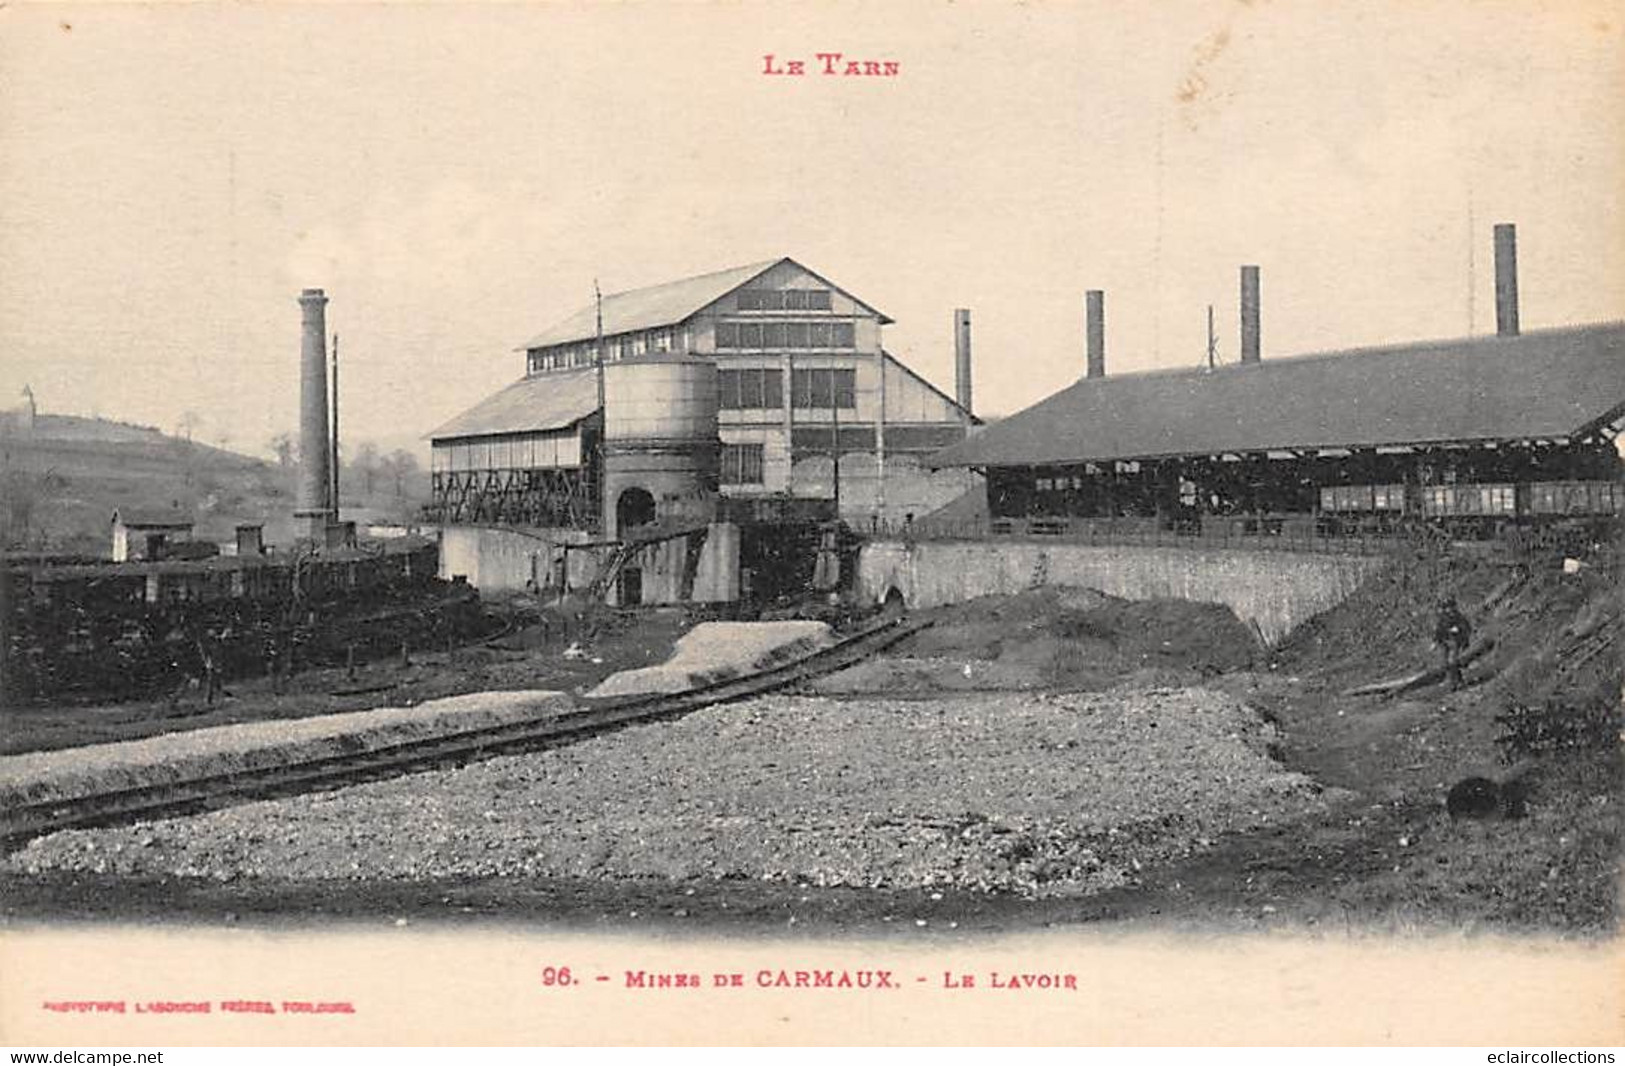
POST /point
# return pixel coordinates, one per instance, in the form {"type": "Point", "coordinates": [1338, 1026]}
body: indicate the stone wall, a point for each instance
{"type": "Point", "coordinates": [1273, 591]}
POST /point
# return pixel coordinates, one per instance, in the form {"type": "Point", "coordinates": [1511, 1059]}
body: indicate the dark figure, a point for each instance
{"type": "Point", "coordinates": [276, 663]}
{"type": "Point", "coordinates": [1452, 635]}
{"type": "Point", "coordinates": [211, 673]}
{"type": "Point", "coordinates": [1474, 797]}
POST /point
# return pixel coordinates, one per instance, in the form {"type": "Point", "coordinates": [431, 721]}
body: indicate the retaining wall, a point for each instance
{"type": "Point", "coordinates": [495, 559]}
{"type": "Point", "coordinates": [1272, 591]}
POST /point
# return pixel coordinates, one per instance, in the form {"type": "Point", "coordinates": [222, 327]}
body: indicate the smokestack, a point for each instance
{"type": "Point", "coordinates": [311, 503]}
{"type": "Point", "coordinates": [1094, 317]}
{"type": "Point", "coordinates": [1249, 314]}
{"type": "Point", "coordinates": [962, 388]}
{"type": "Point", "coordinates": [1506, 279]}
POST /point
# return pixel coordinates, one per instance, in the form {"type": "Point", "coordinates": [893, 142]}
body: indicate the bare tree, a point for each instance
{"type": "Point", "coordinates": [400, 465]}
{"type": "Point", "coordinates": [188, 421]}
{"type": "Point", "coordinates": [21, 494]}
{"type": "Point", "coordinates": [286, 451]}
{"type": "Point", "coordinates": [367, 464]}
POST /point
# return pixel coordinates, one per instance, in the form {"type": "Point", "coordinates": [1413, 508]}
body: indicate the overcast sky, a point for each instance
{"type": "Point", "coordinates": [455, 177]}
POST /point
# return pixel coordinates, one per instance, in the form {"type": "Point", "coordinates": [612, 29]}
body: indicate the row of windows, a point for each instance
{"type": "Point", "coordinates": [741, 464]}
{"type": "Point", "coordinates": [764, 389]}
{"type": "Point", "coordinates": [584, 353]}
{"type": "Point", "coordinates": [1075, 483]}
{"type": "Point", "coordinates": [783, 300]}
{"type": "Point", "coordinates": [786, 335]}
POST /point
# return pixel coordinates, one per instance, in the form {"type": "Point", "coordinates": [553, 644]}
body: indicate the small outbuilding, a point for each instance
{"type": "Point", "coordinates": [148, 533]}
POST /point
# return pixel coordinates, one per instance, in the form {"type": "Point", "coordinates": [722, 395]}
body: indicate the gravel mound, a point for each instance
{"type": "Point", "coordinates": [1040, 795]}
{"type": "Point", "coordinates": [715, 651]}
{"type": "Point", "coordinates": [70, 772]}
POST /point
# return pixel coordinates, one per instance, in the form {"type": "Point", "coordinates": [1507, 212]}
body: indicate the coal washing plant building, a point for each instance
{"type": "Point", "coordinates": [756, 396]}
{"type": "Point", "coordinates": [1471, 438]}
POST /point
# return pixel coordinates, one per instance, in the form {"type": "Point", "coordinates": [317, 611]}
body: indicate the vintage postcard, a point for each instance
{"type": "Point", "coordinates": [816, 523]}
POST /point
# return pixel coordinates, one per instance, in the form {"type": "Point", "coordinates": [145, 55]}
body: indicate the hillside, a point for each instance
{"type": "Point", "coordinates": [61, 481]}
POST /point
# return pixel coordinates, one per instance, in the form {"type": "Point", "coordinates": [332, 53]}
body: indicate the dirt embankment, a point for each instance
{"type": "Point", "coordinates": [1072, 639]}
{"type": "Point", "coordinates": [1539, 713]}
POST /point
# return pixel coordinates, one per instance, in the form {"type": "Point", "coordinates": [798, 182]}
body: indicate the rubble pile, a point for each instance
{"type": "Point", "coordinates": [715, 651]}
{"type": "Point", "coordinates": [1031, 794]}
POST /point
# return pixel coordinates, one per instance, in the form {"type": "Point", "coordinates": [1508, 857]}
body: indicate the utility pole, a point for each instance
{"type": "Point", "coordinates": [1212, 341]}
{"type": "Point", "coordinates": [835, 436]}
{"type": "Point", "coordinates": [603, 415]}
{"type": "Point", "coordinates": [598, 343]}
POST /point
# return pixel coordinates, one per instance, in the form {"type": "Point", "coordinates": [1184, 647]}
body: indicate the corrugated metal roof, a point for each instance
{"type": "Point", "coordinates": [1544, 384]}
{"type": "Point", "coordinates": [529, 405]}
{"type": "Point", "coordinates": [652, 307]}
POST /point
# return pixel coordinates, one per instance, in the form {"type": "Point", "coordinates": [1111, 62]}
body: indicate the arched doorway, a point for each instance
{"type": "Point", "coordinates": [635, 507]}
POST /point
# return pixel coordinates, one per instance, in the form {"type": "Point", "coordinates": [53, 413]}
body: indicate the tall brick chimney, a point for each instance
{"type": "Point", "coordinates": [1094, 327]}
{"type": "Point", "coordinates": [1250, 330]}
{"type": "Point", "coordinates": [1506, 279]}
{"type": "Point", "coordinates": [311, 504]}
{"type": "Point", "coordinates": [962, 364]}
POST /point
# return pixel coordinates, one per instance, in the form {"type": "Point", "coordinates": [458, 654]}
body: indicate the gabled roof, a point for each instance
{"type": "Point", "coordinates": [530, 405]}
{"type": "Point", "coordinates": [1540, 385]}
{"type": "Point", "coordinates": [659, 305]}
{"type": "Point", "coordinates": [911, 372]}
{"type": "Point", "coordinates": [153, 518]}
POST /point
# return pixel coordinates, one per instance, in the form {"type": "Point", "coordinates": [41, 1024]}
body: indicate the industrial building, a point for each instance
{"type": "Point", "coordinates": [1466, 436]}
{"type": "Point", "coordinates": [790, 404]}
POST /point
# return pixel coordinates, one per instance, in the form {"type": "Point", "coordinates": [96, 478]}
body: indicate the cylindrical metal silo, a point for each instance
{"type": "Point", "coordinates": [660, 443]}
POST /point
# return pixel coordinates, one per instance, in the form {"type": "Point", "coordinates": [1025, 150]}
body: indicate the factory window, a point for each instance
{"type": "Point", "coordinates": [741, 464]}
{"type": "Point", "coordinates": [775, 335]}
{"type": "Point", "coordinates": [660, 340]}
{"type": "Point", "coordinates": [750, 389]}
{"type": "Point", "coordinates": [825, 388]}
{"type": "Point", "coordinates": [784, 300]}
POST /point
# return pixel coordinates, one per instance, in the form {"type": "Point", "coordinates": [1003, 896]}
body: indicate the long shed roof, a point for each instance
{"type": "Point", "coordinates": [529, 405]}
{"type": "Point", "coordinates": [1542, 384]}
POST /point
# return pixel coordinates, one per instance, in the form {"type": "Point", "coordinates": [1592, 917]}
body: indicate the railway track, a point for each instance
{"type": "Point", "coordinates": [22, 823]}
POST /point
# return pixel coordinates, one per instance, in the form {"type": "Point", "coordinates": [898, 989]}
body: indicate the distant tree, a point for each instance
{"type": "Point", "coordinates": [188, 421]}
{"type": "Point", "coordinates": [286, 451]}
{"type": "Point", "coordinates": [367, 465]}
{"type": "Point", "coordinates": [21, 494]}
{"type": "Point", "coordinates": [400, 466]}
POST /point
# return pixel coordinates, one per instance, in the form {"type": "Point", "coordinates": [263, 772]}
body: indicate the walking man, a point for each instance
{"type": "Point", "coordinates": [1452, 635]}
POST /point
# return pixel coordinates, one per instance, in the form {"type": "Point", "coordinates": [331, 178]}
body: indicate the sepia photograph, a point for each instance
{"type": "Point", "coordinates": [812, 523]}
